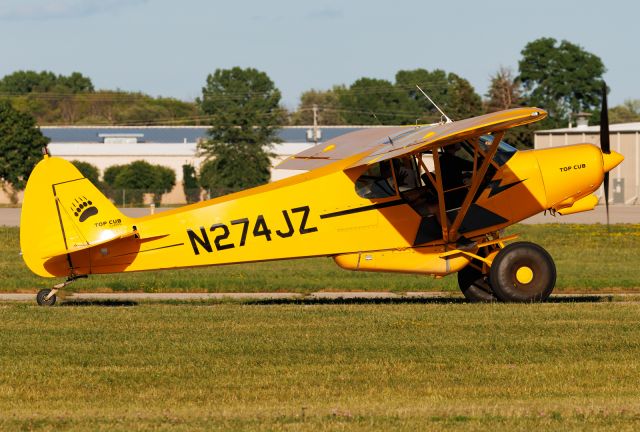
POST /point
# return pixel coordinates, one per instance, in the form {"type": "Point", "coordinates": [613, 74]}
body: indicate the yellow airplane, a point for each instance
{"type": "Point", "coordinates": [427, 200]}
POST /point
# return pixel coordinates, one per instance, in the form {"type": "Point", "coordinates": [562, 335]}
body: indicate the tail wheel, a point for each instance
{"type": "Point", "coordinates": [522, 272]}
{"type": "Point", "coordinates": [475, 285]}
{"type": "Point", "coordinates": [42, 299]}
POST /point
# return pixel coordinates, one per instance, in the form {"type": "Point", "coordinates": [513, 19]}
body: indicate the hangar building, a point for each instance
{"type": "Point", "coordinates": [174, 146]}
{"type": "Point", "coordinates": [171, 146]}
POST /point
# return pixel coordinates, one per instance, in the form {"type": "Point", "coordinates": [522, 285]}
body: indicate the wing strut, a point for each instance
{"type": "Point", "coordinates": [475, 184]}
{"type": "Point", "coordinates": [444, 222]}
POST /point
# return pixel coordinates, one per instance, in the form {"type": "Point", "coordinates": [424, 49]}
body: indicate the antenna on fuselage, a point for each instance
{"type": "Point", "coordinates": [448, 120]}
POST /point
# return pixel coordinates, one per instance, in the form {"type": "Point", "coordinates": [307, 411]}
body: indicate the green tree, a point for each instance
{"type": "Point", "coordinates": [108, 182]}
{"type": "Point", "coordinates": [328, 105]}
{"type": "Point", "coordinates": [453, 94]}
{"type": "Point", "coordinates": [141, 109]}
{"type": "Point", "coordinates": [89, 171]}
{"type": "Point", "coordinates": [243, 105]}
{"type": "Point", "coordinates": [504, 91]}
{"type": "Point", "coordinates": [165, 180]}
{"type": "Point", "coordinates": [227, 172]}
{"type": "Point", "coordinates": [24, 82]}
{"type": "Point", "coordinates": [21, 144]}
{"type": "Point", "coordinates": [138, 178]}
{"type": "Point", "coordinates": [45, 95]}
{"type": "Point", "coordinates": [190, 183]}
{"type": "Point", "coordinates": [370, 101]}
{"type": "Point", "coordinates": [110, 174]}
{"type": "Point", "coordinates": [561, 78]}
{"type": "Point", "coordinates": [76, 83]}
{"type": "Point", "coordinates": [628, 112]}
{"type": "Point", "coordinates": [59, 99]}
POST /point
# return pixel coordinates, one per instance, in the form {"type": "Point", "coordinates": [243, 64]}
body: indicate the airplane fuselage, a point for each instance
{"type": "Point", "coordinates": [319, 213]}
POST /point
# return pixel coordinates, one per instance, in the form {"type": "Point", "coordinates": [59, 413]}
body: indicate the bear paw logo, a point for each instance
{"type": "Point", "coordinates": [84, 209]}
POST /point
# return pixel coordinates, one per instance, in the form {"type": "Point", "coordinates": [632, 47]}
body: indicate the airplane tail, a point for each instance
{"type": "Point", "coordinates": [63, 212]}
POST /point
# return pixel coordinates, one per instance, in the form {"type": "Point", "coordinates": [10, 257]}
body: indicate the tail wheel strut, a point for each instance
{"type": "Point", "coordinates": [47, 297]}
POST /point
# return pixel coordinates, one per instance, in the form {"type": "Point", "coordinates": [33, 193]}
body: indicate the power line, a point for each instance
{"type": "Point", "coordinates": [124, 96]}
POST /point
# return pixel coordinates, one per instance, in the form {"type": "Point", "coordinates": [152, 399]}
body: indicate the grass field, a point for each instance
{"type": "Point", "coordinates": [587, 256]}
{"type": "Point", "coordinates": [313, 366]}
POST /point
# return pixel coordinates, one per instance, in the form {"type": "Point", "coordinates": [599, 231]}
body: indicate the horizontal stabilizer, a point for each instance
{"type": "Point", "coordinates": [85, 246]}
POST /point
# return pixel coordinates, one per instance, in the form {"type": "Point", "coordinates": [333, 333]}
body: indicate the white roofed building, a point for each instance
{"type": "Point", "coordinates": [170, 146]}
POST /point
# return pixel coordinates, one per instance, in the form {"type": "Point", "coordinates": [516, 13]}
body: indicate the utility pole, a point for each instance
{"type": "Point", "coordinates": [315, 123]}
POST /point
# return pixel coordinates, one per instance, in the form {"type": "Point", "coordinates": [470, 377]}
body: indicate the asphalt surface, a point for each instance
{"type": "Point", "coordinates": [232, 296]}
{"type": "Point", "coordinates": [319, 296]}
{"type": "Point", "coordinates": [617, 214]}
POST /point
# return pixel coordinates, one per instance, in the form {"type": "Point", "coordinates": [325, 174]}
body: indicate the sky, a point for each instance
{"type": "Point", "coordinates": [168, 47]}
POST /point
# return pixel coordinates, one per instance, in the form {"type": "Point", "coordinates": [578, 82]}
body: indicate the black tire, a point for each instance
{"type": "Point", "coordinates": [475, 286]}
{"type": "Point", "coordinates": [42, 294]}
{"type": "Point", "coordinates": [537, 266]}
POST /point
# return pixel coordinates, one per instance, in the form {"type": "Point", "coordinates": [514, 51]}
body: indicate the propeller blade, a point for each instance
{"type": "Point", "coordinates": [604, 122]}
{"type": "Point", "coordinates": [605, 184]}
{"type": "Point", "coordinates": [604, 144]}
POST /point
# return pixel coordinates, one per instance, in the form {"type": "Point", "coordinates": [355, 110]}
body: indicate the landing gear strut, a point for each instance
{"type": "Point", "coordinates": [475, 286]}
{"type": "Point", "coordinates": [47, 297]}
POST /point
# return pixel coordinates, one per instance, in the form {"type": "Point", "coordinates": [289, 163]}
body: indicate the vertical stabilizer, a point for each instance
{"type": "Point", "coordinates": [64, 212]}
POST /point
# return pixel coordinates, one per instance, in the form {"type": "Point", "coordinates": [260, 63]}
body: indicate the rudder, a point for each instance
{"type": "Point", "coordinates": [63, 212]}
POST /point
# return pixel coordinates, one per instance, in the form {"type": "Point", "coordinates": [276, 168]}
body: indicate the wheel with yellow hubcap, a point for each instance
{"type": "Point", "coordinates": [522, 272]}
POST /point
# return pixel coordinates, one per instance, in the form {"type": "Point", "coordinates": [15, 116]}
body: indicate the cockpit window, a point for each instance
{"type": "Point", "coordinates": [377, 181]}
{"type": "Point", "coordinates": [407, 173]}
{"type": "Point", "coordinates": [504, 153]}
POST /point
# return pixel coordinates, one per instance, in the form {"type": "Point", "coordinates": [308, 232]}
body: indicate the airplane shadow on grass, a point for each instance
{"type": "Point", "coordinates": [332, 301]}
{"type": "Point", "coordinates": [410, 300]}
{"type": "Point", "coordinates": [104, 303]}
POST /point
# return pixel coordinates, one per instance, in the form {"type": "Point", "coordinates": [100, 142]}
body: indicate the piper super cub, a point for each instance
{"type": "Point", "coordinates": [428, 199]}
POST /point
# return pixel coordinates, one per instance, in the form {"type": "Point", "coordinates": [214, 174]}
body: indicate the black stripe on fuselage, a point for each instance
{"type": "Point", "coordinates": [496, 188]}
{"type": "Point", "coordinates": [363, 209]}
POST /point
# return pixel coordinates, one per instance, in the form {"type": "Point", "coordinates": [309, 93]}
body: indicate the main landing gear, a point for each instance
{"type": "Point", "coordinates": [520, 272]}
{"type": "Point", "coordinates": [47, 297]}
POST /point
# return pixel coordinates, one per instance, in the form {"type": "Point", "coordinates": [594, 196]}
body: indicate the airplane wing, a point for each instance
{"type": "Point", "coordinates": [389, 142]}
{"type": "Point", "coordinates": [343, 147]}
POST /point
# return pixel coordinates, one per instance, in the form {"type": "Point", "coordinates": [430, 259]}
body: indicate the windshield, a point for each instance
{"type": "Point", "coordinates": [377, 181]}
{"type": "Point", "coordinates": [504, 153]}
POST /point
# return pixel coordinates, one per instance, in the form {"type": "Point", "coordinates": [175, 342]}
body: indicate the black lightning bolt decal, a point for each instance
{"type": "Point", "coordinates": [495, 187]}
